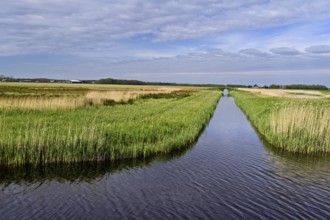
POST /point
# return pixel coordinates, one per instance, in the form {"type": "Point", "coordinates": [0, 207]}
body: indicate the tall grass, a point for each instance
{"type": "Point", "coordinates": [99, 133]}
{"type": "Point", "coordinates": [123, 96]}
{"type": "Point", "coordinates": [69, 102]}
{"type": "Point", "coordinates": [39, 103]}
{"type": "Point", "coordinates": [307, 128]}
{"type": "Point", "coordinates": [287, 93]}
{"type": "Point", "coordinates": [297, 125]}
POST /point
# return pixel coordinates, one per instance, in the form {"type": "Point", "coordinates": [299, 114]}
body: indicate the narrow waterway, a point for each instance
{"type": "Point", "coordinates": [228, 174]}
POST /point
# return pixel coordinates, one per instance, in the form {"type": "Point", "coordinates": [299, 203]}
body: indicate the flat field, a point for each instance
{"type": "Point", "coordinates": [289, 93]}
{"type": "Point", "coordinates": [60, 96]}
{"type": "Point", "coordinates": [59, 123]}
{"type": "Point", "coordinates": [299, 125]}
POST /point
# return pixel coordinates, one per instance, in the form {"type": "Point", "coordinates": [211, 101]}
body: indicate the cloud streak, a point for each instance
{"type": "Point", "coordinates": [71, 26]}
{"type": "Point", "coordinates": [254, 52]}
{"type": "Point", "coordinates": [318, 49]}
{"type": "Point", "coordinates": [74, 38]}
{"type": "Point", "coordinates": [285, 51]}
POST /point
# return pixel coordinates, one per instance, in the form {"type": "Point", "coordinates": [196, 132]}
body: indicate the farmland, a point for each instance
{"type": "Point", "coordinates": [289, 93]}
{"type": "Point", "coordinates": [59, 123]}
{"type": "Point", "coordinates": [299, 125]}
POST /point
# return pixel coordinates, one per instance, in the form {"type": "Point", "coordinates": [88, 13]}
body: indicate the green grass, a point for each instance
{"type": "Point", "coordinates": [326, 92]}
{"type": "Point", "coordinates": [297, 125]}
{"type": "Point", "coordinates": [43, 91]}
{"type": "Point", "coordinates": [99, 133]}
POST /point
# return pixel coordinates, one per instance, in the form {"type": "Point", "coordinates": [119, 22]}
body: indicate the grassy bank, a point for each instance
{"type": "Point", "coordinates": [297, 125]}
{"type": "Point", "coordinates": [152, 125]}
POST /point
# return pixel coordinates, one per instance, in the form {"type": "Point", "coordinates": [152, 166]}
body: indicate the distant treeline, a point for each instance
{"type": "Point", "coordinates": [4, 78]}
{"type": "Point", "coordinates": [273, 86]}
{"type": "Point", "coordinates": [239, 86]}
{"type": "Point", "coordinates": [103, 81]}
{"type": "Point", "coordinates": [36, 80]}
{"type": "Point", "coordinates": [299, 86]}
{"type": "Point", "coordinates": [137, 82]}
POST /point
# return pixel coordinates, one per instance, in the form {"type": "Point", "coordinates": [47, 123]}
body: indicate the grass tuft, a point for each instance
{"type": "Point", "coordinates": [297, 125]}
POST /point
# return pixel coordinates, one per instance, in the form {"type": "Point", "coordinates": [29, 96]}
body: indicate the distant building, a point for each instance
{"type": "Point", "coordinates": [75, 81]}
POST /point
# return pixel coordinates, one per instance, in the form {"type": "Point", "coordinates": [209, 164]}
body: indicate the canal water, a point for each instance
{"type": "Point", "coordinates": [229, 174]}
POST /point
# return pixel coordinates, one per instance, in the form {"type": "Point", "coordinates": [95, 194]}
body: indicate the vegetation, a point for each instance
{"type": "Point", "coordinates": [297, 125]}
{"type": "Point", "coordinates": [299, 86]}
{"type": "Point", "coordinates": [289, 93]}
{"type": "Point", "coordinates": [101, 131]}
{"type": "Point", "coordinates": [108, 81]}
{"type": "Point", "coordinates": [274, 86]}
{"type": "Point", "coordinates": [238, 86]}
{"type": "Point", "coordinates": [81, 171]}
{"type": "Point", "coordinates": [52, 96]}
{"type": "Point", "coordinates": [137, 82]}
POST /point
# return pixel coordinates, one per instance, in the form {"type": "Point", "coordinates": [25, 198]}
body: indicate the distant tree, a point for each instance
{"type": "Point", "coordinates": [302, 86]}
{"type": "Point", "coordinates": [137, 82]}
{"type": "Point", "coordinates": [273, 86]}
{"type": "Point", "coordinates": [299, 86]}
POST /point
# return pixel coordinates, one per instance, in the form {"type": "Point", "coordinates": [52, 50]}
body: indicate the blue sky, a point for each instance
{"type": "Point", "coordinates": [192, 41]}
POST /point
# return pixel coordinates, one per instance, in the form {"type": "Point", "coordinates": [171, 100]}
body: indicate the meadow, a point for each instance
{"type": "Point", "coordinates": [48, 123]}
{"type": "Point", "coordinates": [69, 96]}
{"type": "Point", "coordinates": [290, 93]}
{"type": "Point", "coordinates": [300, 125]}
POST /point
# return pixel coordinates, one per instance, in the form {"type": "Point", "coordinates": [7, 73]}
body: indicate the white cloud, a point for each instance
{"type": "Point", "coordinates": [285, 51]}
{"type": "Point", "coordinates": [254, 52]}
{"type": "Point", "coordinates": [73, 26]}
{"type": "Point", "coordinates": [318, 49]}
{"type": "Point", "coordinates": [161, 38]}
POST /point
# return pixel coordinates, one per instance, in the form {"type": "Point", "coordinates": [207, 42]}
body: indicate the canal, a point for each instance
{"type": "Point", "coordinates": [230, 173]}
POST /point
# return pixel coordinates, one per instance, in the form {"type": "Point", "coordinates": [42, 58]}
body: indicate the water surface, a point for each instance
{"type": "Point", "coordinates": [229, 174]}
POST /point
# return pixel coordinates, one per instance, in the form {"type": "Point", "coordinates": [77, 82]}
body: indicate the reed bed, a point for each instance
{"type": "Point", "coordinates": [288, 93]}
{"type": "Point", "coordinates": [123, 96]}
{"type": "Point", "coordinates": [306, 127]}
{"type": "Point", "coordinates": [40, 103]}
{"type": "Point", "coordinates": [297, 125]}
{"type": "Point", "coordinates": [69, 102]}
{"type": "Point", "coordinates": [100, 133]}
{"type": "Point", "coordinates": [78, 88]}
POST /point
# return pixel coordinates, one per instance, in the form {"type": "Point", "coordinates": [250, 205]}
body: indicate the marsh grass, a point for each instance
{"type": "Point", "coordinates": [43, 100]}
{"type": "Point", "coordinates": [97, 132]}
{"type": "Point", "coordinates": [288, 93]}
{"type": "Point", "coordinates": [39, 103]}
{"type": "Point", "coordinates": [297, 125]}
{"type": "Point", "coordinates": [307, 127]}
{"type": "Point", "coordinates": [98, 97]}
{"type": "Point", "coordinates": [77, 172]}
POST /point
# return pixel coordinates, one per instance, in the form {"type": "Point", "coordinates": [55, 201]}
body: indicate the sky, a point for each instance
{"type": "Point", "coordinates": [186, 41]}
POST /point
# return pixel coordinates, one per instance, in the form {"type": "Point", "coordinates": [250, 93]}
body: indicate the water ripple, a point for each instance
{"type": "Point", "coordinates": [229, 174]}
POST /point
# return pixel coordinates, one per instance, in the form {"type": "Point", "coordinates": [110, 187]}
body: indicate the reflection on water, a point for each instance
{"type": "Point", "coordinates": [229, 174]}
{"type": "Point", "coordinates": [76, 172]}
{"type": "Point", "coordinates": [303, 162]}
{"type": "Point", "coordinates": [299, 168]}
{"type": "Point", "coordinates": [65, 172]}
